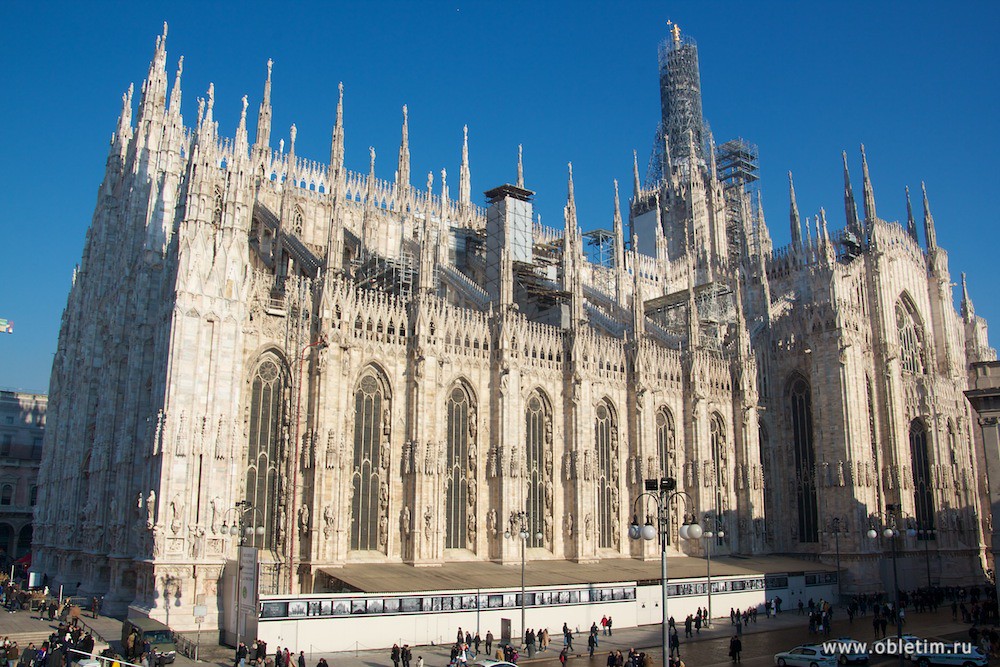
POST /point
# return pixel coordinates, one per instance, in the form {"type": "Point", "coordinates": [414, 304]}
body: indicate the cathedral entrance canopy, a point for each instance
{"type": "Point", "coordinates": [401, 578]}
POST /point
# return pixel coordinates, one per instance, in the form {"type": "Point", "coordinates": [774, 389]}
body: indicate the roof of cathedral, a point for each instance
{"type": "Point", "coordinates": [402, 578]}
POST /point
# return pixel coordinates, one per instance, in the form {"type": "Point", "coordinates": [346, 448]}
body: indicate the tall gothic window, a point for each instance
{"type": "Point", "coordinates": [458, 501]}
{"type": "Point", "coordinates": [720, 462]}
{"type": "Point", "coordinates": [923, 494]}
{"type": "Point", "coordinates": [911, 348]}
{"type": "Point", "coordinates": [764, 445]}
{"type": "Point", "coordinates": [666, 442]}
{"type": "Point", "coordinates": [297, 223]}
{"type": "Point", "coordinates": [800, 404]}
{"type": "Point", "coordinates": [370, 488]}
{"type": "Point", "coordinates": [263, 455]}
{"type": "Point", "coordinates": [604, 429]}
{"type": "Point", "coordinates": [537, 430]}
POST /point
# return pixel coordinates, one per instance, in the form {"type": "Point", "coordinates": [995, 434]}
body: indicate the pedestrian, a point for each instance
{"type": "Point", "coordinates": [735, 648]}
{"type": "Point", "coordinates": [563, 656]}
{"type": "Point", "coordinates": [322, 663]}
{"type": "Point", "coordinates": [609, 626]}
{"type": "Point", "coordinates": [489, 641]}
{"type": "Point", "coordinates": [604, 625]}
{"type": "Point", "coordinates": [302, 659]}
{"type": "Point", "coordinates": [407, 655]}
{"type": "Point", "coordinates": [591, 644]}
{"type": "Point", "coordinates": [477, 641]}
{"type": "Point", "coordinates": [611, 659]}
{"type": "Point", "coordinates": [420, 661]}
{"type": "Point", "coordinates": [393, 655]}
{"type": "Point", "coordinates": [675, 644]}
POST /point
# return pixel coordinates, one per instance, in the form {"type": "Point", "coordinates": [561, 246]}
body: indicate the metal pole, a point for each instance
{"type": "Point", "coordinates": [836, 538]}
{"type": "Point", "coordinates": [708, 553]}
{"type": "Point", "coordinates": [522, 584]}
{"type": "Point", "coordinates": [927, 557]}
{"type": "Point", "coordinates": [664, 519]}
{"type": "Point", "coordinates": [895, 595]}
{"type": "Point", "coordinates": [236, 588]}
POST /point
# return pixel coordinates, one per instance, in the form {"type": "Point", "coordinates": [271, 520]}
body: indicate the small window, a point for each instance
{"type": "Point", "coordinates": [6, 494]}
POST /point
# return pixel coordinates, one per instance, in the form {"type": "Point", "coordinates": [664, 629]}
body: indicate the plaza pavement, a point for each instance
{"type": "Point", "coordinates": [761, 640]}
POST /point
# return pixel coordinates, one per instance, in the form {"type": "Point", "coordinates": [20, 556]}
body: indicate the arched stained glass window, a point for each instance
{"type": "Point", "coordinates": [911, 346]}
{"type": "Point", "coordinates": [263, 455]}
{"type": "Point", "coordinates": [923, 493]}
{"type": "Point", "coordinates": [607, 479]}
{"type": "Point", "coordinates": [370, 487]}
{"type": "Point", "coordinates": [538, 456]}
{"type": "Point", "coordinates": [800, 405]}
{"type": "Point", "coordinates": [458, 500]}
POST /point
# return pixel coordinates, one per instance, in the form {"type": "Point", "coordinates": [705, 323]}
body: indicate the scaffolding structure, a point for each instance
{"type": "Point", "coordinates": [600, 247]}
{"type": "Point", "coordinates": [738, 167]}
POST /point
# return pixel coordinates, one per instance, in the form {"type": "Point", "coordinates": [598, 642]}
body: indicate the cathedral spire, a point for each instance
{"type": "Point", "coordinates": [403, 168]}
{"type": "Point", "coordinates": [635, 177]}
{"type": "Point", "coordinates": [241, 131]}
{"type": "Point", "coordinates": [796, 222]}
{"type": "Point", "coordinates": [911, 224]}
{"type": "Point", "coordinates": [668, 163]}
{"type": "Point", "coordinates": [929, 233]}
{"type": "Point", "coordinates": [124, 131]}
{"type": "Point", "coordinates": [154, 89]}
{"type": "Point", "coordinates": [371, 176]}
{"type": "Point", "coordinates": [968, 311]}
{"type": "Point", "coordinates": [619, 240]}
{"type": "Point", "coordinates": [337, 143]}
{"type": "Point", "coordinates": [869, 194]}
{"type": "Point", "coordinates": [263, 138]}
{"type": "Point", "coordinates": [850, 206]}
{"type": "Point", "coordinates": [711, 158]}
{"type": "Point", "coordinates": [638, 303]}
{"type": "Point", "coordinates": [175, 94]}
{"type": "Point", "coordinates": [464, 174]}
{"type": "Point", "coordinates": [520, 169]}
{"type": "Point", "coordinates": [763, 233]}
{"type": "Point", "coordinates": [571, 198]}
{"type": "Point", "coordinates": [426, 277]}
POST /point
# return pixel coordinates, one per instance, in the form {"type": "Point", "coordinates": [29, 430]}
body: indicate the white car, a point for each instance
{"type": "Point", "coordinates": [849, 651]}
{"type": "Point", "coordinates": [891, 645]}
{"type": "Point", "coordinates": [958, 654]}
{"type": "Point", "coordinates": [807, 655]}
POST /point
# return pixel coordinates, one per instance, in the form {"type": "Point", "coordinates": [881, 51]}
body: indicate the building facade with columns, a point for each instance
{"type": "Point", "coordinates": [389, 374]}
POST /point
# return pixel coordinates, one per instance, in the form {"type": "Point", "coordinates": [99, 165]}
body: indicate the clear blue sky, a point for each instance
{"type": "Point", "coordinates": [916, 82]}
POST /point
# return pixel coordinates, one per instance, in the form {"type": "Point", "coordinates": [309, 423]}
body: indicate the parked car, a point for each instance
{"type": "Point", "coordinates": [952, 654]}
{"type": "Point", "coordinates": [850, 651]}
{"type": "Point", "coordinates": [807, 655]}
{"type": "Point", "coordinates": [891, 645]}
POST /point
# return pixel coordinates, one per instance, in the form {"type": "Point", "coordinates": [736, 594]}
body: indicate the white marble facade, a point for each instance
{"type": "Point", "coordinates": [389, 374]}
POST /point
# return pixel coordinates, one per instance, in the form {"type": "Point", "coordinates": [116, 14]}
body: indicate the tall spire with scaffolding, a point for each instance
{"type": "Point", "coordinates": [680, 95]}
{"type": "Point", "coordinates": [850, 206]}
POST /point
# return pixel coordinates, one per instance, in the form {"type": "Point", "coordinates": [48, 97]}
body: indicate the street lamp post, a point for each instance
{"type": "Point", "coordinates": [836, 539]}
{"type": "Point", "coordinates": [891, 532]}
{"type": "Point", "coordinates": [662, 491]}
{"type": "Point", "coordinates": [926, 534]}
{"type": "Point", "coordinates": [242, 529]}
{"type": "Point", "coordinates": [521, 518]}
{"type": "Point", "coordinates": [709, 535]}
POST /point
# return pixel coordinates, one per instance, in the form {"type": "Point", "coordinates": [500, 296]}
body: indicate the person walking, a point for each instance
{"type": "Point", "coordinates": [591, 644]}
{"type": "Point", "coordinates": [735, 648]}
{"type": "Point", "coordinates": [394, 655]}
{"type": "Point", "coordinates": [489, 641]}
{"type": "Point", "coordinates": [675, 644]}
{"type": "Point", "coordinates": [609, 626]}
{"type": "Point", "coordinates": [406, 655]}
